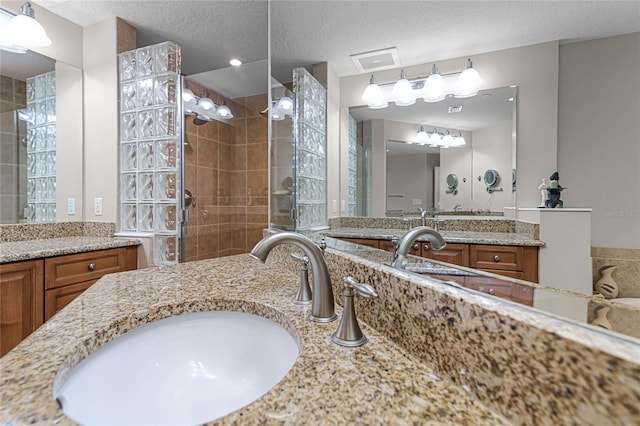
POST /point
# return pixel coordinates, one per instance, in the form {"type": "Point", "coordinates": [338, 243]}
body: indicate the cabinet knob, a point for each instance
{"type": "Point", "coordinates": [496, 258]}
{"type": "Point", "coordinates": [491, 291]}
{"type": "Point", "coordinates": [91, 266]}
{"type": "Point", "coordinates": [416, 246]}
{"type": "Point", "coordinates": [426, 247]}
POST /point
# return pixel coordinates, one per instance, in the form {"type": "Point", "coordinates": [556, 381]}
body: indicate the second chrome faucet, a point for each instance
{"type": "Point", "coordinates": [437, 242]}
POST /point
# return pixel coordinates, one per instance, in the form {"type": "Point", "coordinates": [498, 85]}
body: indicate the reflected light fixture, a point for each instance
{"type": "Point", "coordinates": [434, 138]}
{"type": "Point", "coordinates": [422, 137]}
{"type": "Point", "coordinates": [435, 89]}
{"type": "Point", "coordinates": [447, 139]}
{"type": "Point", "coordinates": [235, 62]}
{"type": "Point", "coordinates": [281, 108]}
{"type": "Point", "coordinates": [223, 111]}
{"type": "Point", "coordinates": [403, 91]}
{"type": "Point", "coordinates": [459, 140]}
{"type": "Point", "coordinates": [24, 31]}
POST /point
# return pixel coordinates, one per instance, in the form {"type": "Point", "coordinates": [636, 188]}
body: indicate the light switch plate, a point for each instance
{"type": "Point", "coordinates": [97, 206]}
{"type": "Point", "coordinates": [71, 206]}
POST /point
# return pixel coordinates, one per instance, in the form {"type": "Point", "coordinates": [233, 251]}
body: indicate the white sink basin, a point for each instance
{"type": "Point", "coordinates": [187, 369]}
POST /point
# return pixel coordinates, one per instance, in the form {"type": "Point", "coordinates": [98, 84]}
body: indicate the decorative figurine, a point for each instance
{"type": "Point", "coordinates": [543, 192]}
{"type": "Point", "coordinates": [553, 192]}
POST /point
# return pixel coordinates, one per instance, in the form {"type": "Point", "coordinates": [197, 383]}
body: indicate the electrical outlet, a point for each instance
{"type": "Point", "coordinates": [97, 206]}
{"type": "Point", "coordinates": [71, 206]}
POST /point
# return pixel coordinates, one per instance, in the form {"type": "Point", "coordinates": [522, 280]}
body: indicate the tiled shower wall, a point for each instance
{"type": "Point", "coordinates": [13, 153]}
{"type": "Point", "coordinates": [226, 170]}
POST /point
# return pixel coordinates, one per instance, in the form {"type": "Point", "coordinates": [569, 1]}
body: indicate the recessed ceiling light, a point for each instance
{"type": "Point", "coordinates": [235, 62]}
{"type": "Point", "coordinates": [510, 99]}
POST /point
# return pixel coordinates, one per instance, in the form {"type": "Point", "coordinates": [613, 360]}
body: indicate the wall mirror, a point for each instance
{"type": "Point", "coordinates": [415, 173]}
{"type": "Point", "coordinates": [41, 156]}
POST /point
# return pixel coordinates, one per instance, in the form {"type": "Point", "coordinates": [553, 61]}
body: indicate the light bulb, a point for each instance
{"type": "Point", "coordinates": [435, 89]}
{"type": "Point", "coordinates": [403, 91]}
{"type": "Point", "coordinates": [459, 140]}
{"type": "Point", "coordinates": [435, 138]}
{"type": "Point", "coordinates": [206, 104]}
{"type": "Point", "coordinates": [24, 30]}
{"type": "Point", "coordinates": [422, 137]}
{"type": "Point", "coordinates": [285, 103]}
{"type": "Point", "coordinates": [187, 96]}
{"type": "Point", "coordinates": [223, 111]}
{"type": "Point", "coordinates": [447, 139]}
{"type": "Point", "coordinates": [372, 94]}
{"type": "Point", "coordinates": [468, 82]}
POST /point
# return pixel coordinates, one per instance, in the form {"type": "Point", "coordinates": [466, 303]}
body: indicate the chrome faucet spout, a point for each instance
{"type": "Point", "coordinates": [322, 304]}
{"type": "Point", "coordinates": [437, 242]}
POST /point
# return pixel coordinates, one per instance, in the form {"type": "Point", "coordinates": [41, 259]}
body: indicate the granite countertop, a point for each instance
{"type": "Point", "coordinates": [36, 249]}
{"type": "Point", "coordinates": [469, 237]}
{"type": "Point", "coordinates": [379, 383]}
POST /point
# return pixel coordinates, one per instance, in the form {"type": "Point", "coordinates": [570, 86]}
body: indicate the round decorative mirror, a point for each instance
{"type": "Point", "coordinates": [452, 181]}
{"type": "Point", "coordinates": [491, 178]}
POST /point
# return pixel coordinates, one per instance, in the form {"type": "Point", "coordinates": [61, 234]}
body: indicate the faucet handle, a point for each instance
{"type": "Point", "coordinates": [363, 290]}
{"type": "Point", "coordinates": [304, 260]}
{"type": "Point", "coordinates": [303, 295]}
{"type": "Point", "coordinates": [323, 245]}
{"type": "Point", "coordinates": [348, 332]}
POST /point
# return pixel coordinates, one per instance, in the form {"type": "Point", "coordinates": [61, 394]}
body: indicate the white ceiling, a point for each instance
{"type": "Point", "coordinates": [306, 32]}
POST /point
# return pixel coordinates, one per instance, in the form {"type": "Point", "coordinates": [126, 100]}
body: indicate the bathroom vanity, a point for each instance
{"type": "Point", "coordinates": [40, 277]}
{"type": "Point", "coordinates": [435, 351]}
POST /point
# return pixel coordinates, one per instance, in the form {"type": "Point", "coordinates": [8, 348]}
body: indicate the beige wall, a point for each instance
{"type": "Point", "coordinates": [534, 69]}
{"type": "Point", "coordinates": [599, 135]}
{"type": "Point", "coordinates": [489, 153]}
{"type": "Point", "coordinates": [101, 119]}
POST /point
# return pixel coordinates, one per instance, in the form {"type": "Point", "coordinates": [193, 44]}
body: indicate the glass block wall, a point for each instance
{"type": "Point", "coordinates": [310, 142]}
{"type": "Point", "coordinates": [41, 148]}
{"type": "Point", "coordinates": [150, 147]}
{"type": "Point", "coordinates": [353, 166]}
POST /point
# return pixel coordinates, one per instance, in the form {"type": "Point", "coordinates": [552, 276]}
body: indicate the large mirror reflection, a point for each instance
{"type": "Point", "coordinates": [41, 139]}
{"type": "Point", "coordinates": [416, 172]}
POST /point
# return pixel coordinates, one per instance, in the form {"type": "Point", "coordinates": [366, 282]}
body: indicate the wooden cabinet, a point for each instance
{"type": "Point", "coordinates": [457, 254]}
{"type": "Point", "coordinates": [66, 277]}
{"type": "Point", "coordinates": [33, 291]}
{"type": "Point", "coordinates": [512, 261]}
{"type": "Point", "coordinates": [519, 262]}
{"type": "Point", "coordinates": [21, 305]}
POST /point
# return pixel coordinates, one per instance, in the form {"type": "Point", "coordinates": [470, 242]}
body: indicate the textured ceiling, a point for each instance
{"type": "Point", "coordinates": [209, 32]}
{"type": "Point", "coordinates": [308, 32]}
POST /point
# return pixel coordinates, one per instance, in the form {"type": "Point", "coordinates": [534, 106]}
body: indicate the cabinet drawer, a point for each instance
{"type": "Point", "coordinates": [388, 246]}
{"type": "Point", "coordinates": [509, 258]}
{"type": "Point", "coordinates": [76, 268]}
{"type": "Point", "coordinates": [58, 298]}
{"type": "Point", "coordinates": [457, 254]}
{"type": "Point", "coordinates": [492, 286]}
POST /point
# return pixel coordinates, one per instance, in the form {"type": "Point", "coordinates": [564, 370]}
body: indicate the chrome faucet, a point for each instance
{"type": "Point", "coordinates": [322, 305]}
{"type": "Point", "coordinates": [437, 242]}
{"type": "Point", "coordinates": [423, 216]}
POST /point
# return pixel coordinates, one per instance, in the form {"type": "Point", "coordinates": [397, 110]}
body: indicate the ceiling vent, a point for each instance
{"type": "Point", "coordinates": [377, 60]}
{"type": "Point", "coordinates": [454, 108]}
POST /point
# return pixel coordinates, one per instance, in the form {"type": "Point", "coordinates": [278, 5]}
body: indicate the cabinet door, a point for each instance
{"type": "Point", "coordinates": [60, 297]}
{"type": "Point", "coordinates": [388, 246]}
{"type": "Point", "coordinates": [21, 304]}
{"type": "Point", "coordinates": [457, 254]}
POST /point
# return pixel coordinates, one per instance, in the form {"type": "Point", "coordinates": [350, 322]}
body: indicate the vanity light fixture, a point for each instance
{"type": "Point", "coordinates": [403, 91]}
{"type": "Point", "coordinates": [281, 108]}
{"type": "Point", "coordinates": [435, 139]}
{"type": "Point", "coordinates": [422, 137]}
{"type": "Point", "coordinates": [373, 95]}
{"type": "Point", "coordinates": [447, 139]}
{"type": "Point", "coordinates": [468, 83]}
{"type": "Point", "coordinates": [204, 108]}
{"type": "Point", "coordinates": [223, 111]}
{"type": "Point", "coordinates": [434, 88]}
{"type": "Point", "coordinates": [459, 140]}
{"type": "Point", "coordinates": [24, 31]}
